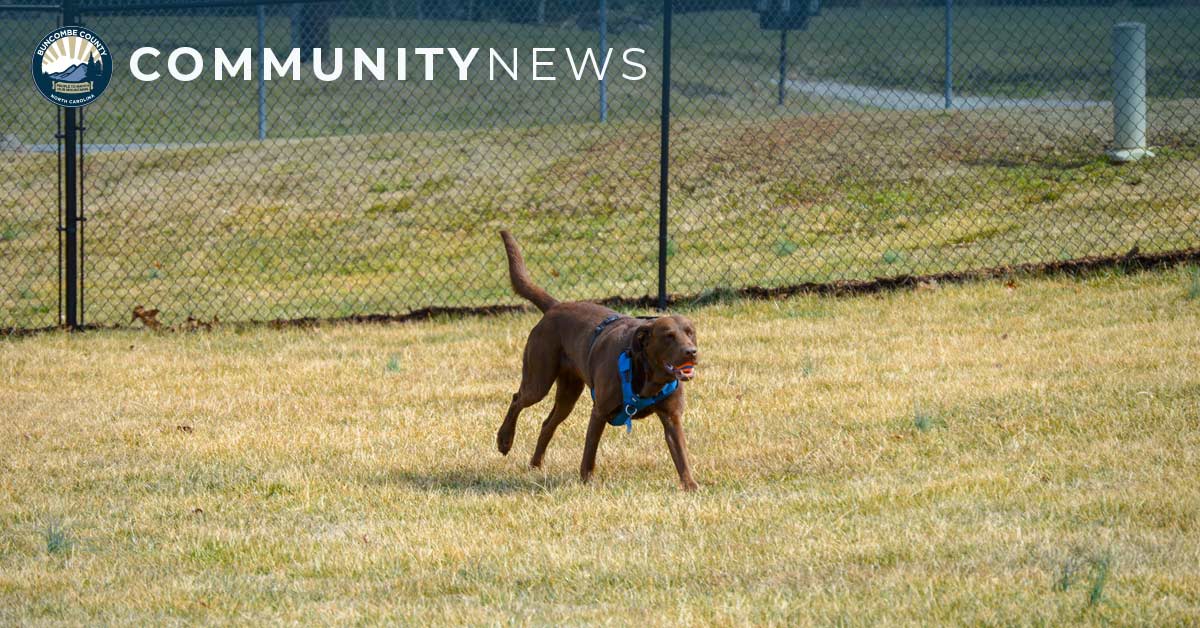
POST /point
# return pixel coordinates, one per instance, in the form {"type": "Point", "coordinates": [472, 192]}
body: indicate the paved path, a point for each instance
{"type": "Point", "coordinates": [105, 148]}
{"type": "Point", "coordinates": [877, 97]}
{"type": "Point", "coordinates": [906, 100]}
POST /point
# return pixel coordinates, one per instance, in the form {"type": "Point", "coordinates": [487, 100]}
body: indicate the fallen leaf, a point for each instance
{"type": "Point", "coordinates": [149, 318]}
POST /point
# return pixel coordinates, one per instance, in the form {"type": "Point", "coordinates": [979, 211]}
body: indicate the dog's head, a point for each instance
{"type": "Point", "coordinates": [669, 344]}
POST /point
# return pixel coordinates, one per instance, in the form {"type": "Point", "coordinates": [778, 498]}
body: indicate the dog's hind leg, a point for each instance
{"type": "Point", "coordinates": [542, 362]}
{"type": "Point", "coordinates": [565, 395]}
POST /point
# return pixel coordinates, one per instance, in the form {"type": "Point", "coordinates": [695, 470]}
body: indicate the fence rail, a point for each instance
{"type": "Point", "coordinates": [866, 140]}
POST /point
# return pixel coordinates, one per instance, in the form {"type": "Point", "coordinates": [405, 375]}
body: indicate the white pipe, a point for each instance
{"type": "Point", "coordinates": [1129, 92]}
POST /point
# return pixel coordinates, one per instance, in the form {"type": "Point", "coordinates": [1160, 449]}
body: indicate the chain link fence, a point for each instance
{"type": "Point", "coordinates": [29, 190]}
{"type": "Point", "coordinates": [880, 150]}
{"type": "Point", "coordinates": [868, 139]}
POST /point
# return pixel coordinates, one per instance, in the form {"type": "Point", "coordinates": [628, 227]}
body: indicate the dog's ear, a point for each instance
{"type": "Point", "coordinates": [641, 336]}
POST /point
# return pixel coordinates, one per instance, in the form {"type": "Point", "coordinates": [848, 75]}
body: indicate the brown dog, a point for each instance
{"type": "Point", "coordinates": [565, 347]}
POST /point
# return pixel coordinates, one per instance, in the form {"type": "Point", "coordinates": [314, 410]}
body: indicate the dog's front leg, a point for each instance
{"type": "Point", "coordinates": [677, 444]}
{"type": "Point", "coordinates": [595, 430]}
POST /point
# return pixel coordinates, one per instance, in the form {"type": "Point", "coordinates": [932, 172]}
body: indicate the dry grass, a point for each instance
{"type": "Point", "coordinates": [974, 453]}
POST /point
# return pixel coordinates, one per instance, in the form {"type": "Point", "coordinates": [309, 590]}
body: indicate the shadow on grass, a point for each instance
{"type": "Point", "coordinates": [473, 482]}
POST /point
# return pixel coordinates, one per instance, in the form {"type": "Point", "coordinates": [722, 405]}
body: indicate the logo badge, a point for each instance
{"type": "Point", "coordinates": [71, 66]}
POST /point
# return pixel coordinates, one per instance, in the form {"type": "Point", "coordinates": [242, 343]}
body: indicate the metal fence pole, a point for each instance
{"type": "Point", "coordinates": [664, 157]}
{"type": "Point", "coordinates": [783, 37]}
{"type": "Point", "coordinates": [948, 82]}
{"type": "Point", "coordinates": [262, 84]}
{"type": "Point", "coordinates": [603, 52]}
{"type": "Point", "coordinates": [70, 227]}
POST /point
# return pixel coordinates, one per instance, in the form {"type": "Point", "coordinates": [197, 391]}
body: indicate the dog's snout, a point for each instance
{"type": "Point", "coordinates": [691, 352]}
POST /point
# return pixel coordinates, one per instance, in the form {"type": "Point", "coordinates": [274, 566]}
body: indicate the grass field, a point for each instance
{"type": "Point", "coordinates": [382, 224]}
{"type": "Point", "coordinates": [383, 198]}
{"type": "Point", "coordinates": [996, 453]}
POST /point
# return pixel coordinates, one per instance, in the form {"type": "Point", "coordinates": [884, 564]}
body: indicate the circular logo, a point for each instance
{"type": "Point", "coordinates": [71, 66]}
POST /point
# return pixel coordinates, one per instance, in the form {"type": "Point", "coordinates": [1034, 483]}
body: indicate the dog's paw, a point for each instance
{"type": "Point", "coordinates": [690, 486]}
{"type": "Point", "coordinates": [503, 443]}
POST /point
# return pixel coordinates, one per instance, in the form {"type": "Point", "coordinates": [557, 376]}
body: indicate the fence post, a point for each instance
{"type": "Point", "coordinates": [1129, 92]}
{"type": "Point", "coordinates": [262, 85]}
{"type": "Point", "coordinates": [783, 37]}
{"type": "Point", "coordinates": [603, 52]}
{"type": "Point", "coordinates": [664, 156]}
{"type": "Point", "coordinates": [948, 80]}
{"type": "Point", "coordinates": [71, 196]}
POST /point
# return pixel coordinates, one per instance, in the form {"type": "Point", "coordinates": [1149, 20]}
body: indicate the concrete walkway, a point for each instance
{"type": "Point", "coordinates": [106, 148]}
{"type": "Point", "coordinates": [875, 97]}
{"type": "Point", "coordinates": [906, 100]}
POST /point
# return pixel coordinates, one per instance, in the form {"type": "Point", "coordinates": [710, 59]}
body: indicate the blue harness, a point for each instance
{"type": "Point", "coordinates": [631, 402]}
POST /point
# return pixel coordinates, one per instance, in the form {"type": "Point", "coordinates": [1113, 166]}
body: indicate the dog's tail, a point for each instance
{"type": "Point", "coordinates": [519, 275]}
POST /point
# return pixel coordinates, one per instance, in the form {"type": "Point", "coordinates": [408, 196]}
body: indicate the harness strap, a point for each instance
{"type": "Point", "coordinates": [632, 402]}
{"type": "Point", "coordinates": [600, 329]}
{"type": "Point", "coordinates": [596, 335]}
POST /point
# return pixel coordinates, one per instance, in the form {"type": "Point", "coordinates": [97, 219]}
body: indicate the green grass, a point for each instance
{"type": "Point", "coordinates": [258, 476]}
{"type": "Point", "coordinates": [1193, 282]}
{"type": "Point", "coordinates": [1099, 579]}
{"type": "Point", "coordinates": [299, 228]}
{"type": "Point", "coordinates": [57, 541]}
{"type": "Point", "coordinates": [924, 419]}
